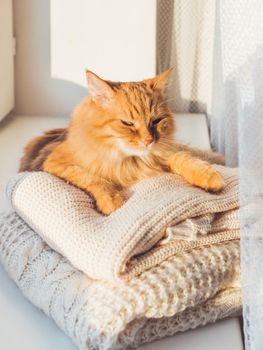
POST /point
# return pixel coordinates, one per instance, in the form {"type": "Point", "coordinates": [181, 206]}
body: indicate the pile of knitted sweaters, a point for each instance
{"type": "Point", "coordinates": [165, 262]}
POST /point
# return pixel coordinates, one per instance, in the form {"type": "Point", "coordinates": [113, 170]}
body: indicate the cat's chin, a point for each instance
{"type": "Point", "coordinates": [137, 152]}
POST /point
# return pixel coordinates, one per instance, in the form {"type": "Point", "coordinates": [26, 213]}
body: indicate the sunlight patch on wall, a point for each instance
{"type": "Point", "coordinates": [116, 39]}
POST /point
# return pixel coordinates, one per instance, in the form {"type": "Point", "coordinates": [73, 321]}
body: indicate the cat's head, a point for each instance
{"type": "Point", "coordinates": [134, 116]}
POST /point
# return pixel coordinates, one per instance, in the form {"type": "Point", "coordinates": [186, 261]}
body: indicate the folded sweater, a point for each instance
{"type": "Point", "coordinates": [183, 291]}
{"type": "Point", "coordinates": [162, 216]}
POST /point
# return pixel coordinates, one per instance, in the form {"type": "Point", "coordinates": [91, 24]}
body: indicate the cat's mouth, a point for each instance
{"type": "Point", "coordinates": [139, 151]}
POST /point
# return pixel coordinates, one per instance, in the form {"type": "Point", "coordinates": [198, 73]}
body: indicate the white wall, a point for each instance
{"type": "Point", "coordinates": [114, 38]}
{"type": "Point", "coordinates": [36, 93]}
{"type": "Point", "coordinates": [84, 34]}
{"type": "Point", "coordinates": [6, 58]}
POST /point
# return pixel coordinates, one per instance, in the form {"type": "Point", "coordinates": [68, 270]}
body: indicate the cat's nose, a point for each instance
{"type": "Point", "coordinates": [148, 141]}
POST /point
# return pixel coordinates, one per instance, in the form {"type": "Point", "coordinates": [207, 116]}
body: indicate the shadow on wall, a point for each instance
{"type": "Point", "coordinates": [36, 92]}
{"type": "Point", "coordinates": [59, 39]}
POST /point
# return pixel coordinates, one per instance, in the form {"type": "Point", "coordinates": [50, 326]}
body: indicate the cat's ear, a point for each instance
{"type": "Point", "coordinates": [161, 81]}
{"type": "Point", "coordinates": [99, 89]}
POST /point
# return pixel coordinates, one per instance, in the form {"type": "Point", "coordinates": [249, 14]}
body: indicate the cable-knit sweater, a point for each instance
{"type": "Point", "coordinates": [182, 292]}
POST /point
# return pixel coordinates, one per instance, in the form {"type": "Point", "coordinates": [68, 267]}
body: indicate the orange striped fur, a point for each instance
{"type": "Point", "coordinates": [121, 134]}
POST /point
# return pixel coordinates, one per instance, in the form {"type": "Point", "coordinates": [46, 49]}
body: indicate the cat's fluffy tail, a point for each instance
{"type": "Point", "coordinates": [38, 149]}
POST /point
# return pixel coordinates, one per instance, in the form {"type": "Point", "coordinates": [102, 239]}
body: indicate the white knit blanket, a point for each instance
{"type": "Point", "coordinates": [182, 292]}
{"type": "Point", "coordinates": [162, 216]}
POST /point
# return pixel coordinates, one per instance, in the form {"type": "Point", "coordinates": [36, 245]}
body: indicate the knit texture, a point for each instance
{"type": "Point", "coordinates": [183, 291]}
{"type": "Point", "coordinates": [162, 216]}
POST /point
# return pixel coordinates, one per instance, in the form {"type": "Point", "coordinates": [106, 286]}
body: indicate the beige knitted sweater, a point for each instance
{"type": "Point", "coordinates": [162, 217]}
{"type": "Point", "coordinates": [178, 243]}
{"type": "Point", "coordinates": [183, 292]}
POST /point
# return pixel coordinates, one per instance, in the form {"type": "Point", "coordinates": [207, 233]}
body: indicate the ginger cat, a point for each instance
{"type": "Point", "coordinates": [121, 134]}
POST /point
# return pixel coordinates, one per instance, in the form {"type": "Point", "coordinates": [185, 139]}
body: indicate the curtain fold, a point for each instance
{"type": "Point", "coordinates": [185, 34]}
{"type": "Point", "coordinates": [217, 50]}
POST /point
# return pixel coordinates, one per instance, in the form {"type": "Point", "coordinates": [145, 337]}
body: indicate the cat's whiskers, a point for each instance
{"type": "Point", "coordinates": [148, 161]}
{"type": "Point", "coordinates": [130, 151]}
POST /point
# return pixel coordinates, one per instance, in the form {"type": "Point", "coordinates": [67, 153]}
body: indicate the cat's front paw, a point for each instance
{"type": "Point", "coordinates": [212, 181]}
{"type": "Point", "coordinates": [108, 203]}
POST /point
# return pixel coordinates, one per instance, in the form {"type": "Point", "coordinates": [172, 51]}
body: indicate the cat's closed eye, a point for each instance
{"type": "Point", "coordinates": [126, 123]}
{"type": "Point", "coordinates": [156, 121]}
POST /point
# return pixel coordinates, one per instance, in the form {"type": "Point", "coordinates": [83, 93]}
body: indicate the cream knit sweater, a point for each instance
{"type": "Point", "coordinates": [182, 292]}
{"type": "Point", "coordinates": [162, 217]}
{"type": "Point", "coordinates": [167, 261]}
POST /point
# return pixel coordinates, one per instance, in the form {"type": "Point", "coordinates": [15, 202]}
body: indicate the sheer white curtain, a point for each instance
{"type": "Point", "coordinates": [217, 49]}
{"type": "Point", "coordinates": [185, 34]}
